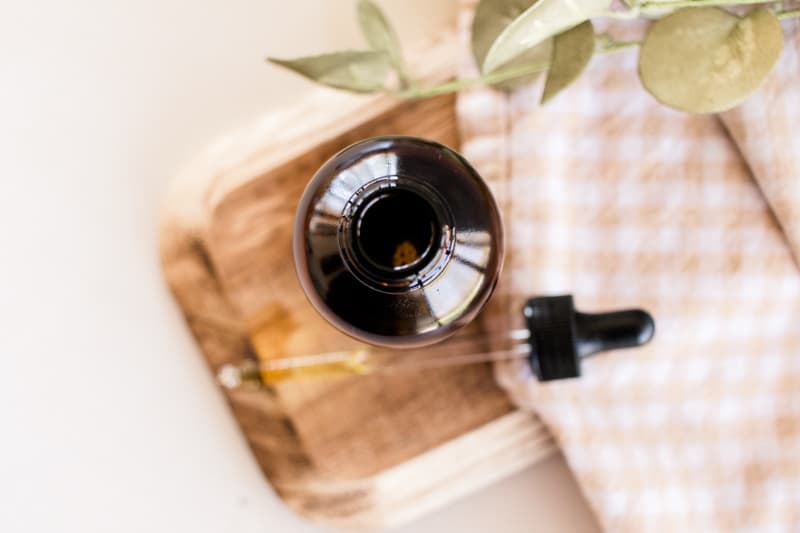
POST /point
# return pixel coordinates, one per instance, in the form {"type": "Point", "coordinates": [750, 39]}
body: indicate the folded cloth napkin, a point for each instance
{"type": "Point", "coordinates": [625, 203]}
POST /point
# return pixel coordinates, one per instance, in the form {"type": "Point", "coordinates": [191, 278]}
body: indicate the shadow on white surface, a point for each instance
{"type": "Point", "coordinates": [543, 498]}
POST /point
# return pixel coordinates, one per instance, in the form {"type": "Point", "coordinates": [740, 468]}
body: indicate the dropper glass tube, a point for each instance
{"type": "Point", "coordinates": [365, 360]}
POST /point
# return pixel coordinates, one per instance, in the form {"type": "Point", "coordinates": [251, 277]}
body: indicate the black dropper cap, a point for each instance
{"type": "Point", "coordinates": [560, 336]}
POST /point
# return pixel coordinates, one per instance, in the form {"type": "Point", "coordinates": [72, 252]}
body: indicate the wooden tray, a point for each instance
{"type": "Point", "coordinates": [353, 452]}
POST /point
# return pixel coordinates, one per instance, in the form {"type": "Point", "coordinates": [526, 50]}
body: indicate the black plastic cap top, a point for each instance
{"type": "Point", "coordinates": [560, 336]}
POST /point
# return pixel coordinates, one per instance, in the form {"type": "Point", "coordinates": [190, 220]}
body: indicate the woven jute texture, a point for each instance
{"type": "Point", "coordinates": [622, 202]}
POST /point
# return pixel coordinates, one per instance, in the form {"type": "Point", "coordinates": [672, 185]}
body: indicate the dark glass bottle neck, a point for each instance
{"type": "Point", "coordinates": [396, 234]}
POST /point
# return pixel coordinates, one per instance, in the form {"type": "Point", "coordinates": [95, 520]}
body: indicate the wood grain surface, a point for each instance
{"type": "Point", "coordinates": [351, 451]}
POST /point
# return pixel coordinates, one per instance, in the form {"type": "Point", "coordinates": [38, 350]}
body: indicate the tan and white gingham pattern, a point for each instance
{"type": "Point", "coordinates": [625, 203]}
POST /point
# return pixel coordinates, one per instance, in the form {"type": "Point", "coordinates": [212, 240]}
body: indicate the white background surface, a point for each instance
{"type": "Point", "coordinates": [109, 420]}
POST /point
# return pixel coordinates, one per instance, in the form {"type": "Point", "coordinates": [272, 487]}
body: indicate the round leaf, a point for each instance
{"type": "Point", "coordinates": [539, 22]}
{"type": "Point", "coordinates": [379, 33]}
{"type": "Point", "coordinates": [360, 72]}
{"type": "Point", "coordinates": [491, 18]}
{"type": "Point", "coordinates": [707, 60]}
{"type": "Point", "coordinates": [572, 51]}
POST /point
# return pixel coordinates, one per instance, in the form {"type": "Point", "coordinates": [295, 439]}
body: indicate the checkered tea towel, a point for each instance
{"type": "Point", "coordinates": [622, 202]}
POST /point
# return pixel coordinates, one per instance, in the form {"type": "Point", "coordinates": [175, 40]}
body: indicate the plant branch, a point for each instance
{"type": "Point", "coordinates": [457, 85]}
{"type": "Point", "coordinates": [660, 4]}
{"type": "Point", "coordinates": [788, 14]}
{"type": "Point", "coordinates": [647, 7]}
{"type": "Point", "coordinates": [498, 77]}
{"type": "Point", "coordinates": [614, 46]}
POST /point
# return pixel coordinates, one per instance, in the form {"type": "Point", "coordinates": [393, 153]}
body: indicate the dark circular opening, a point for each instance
{"type": "Point", "coordinates": [396, 231]}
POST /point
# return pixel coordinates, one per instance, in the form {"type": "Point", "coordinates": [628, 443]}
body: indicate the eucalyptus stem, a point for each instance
{"type": "Point", "coordinates": [635, 11]}
{"type": "Point", "coordinates": [659, 4]}
{"type": "Point", "coordinates": [788, 14]}
{"type": "Point", "coordinates": [498, 77]}
{"type": "Point", "coordinates": [617, 45]}
{"type": "Point", "coordinates": [488, 79]}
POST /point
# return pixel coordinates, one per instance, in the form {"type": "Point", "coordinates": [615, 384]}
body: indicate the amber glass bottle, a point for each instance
{"type": "Point", "coordinates": [398, 241]}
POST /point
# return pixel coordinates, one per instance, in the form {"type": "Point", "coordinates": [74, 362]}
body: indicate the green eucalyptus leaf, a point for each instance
{"type": "Point", "coordinates": [380, 34]}
{"type": "Point", "coordinates": [360, 72]}
{"type": "Point", "coordinates": [572, 51]}
{"type": "Point", "coordinates": [491, 18]}
{"type": "Point", "coordinates": [707, 60]}
{"type": "Point", "coordinates": [539, 22]}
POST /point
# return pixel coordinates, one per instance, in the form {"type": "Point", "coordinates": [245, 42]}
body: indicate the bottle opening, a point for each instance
{"type": "Point", "coordinates": [396, 231]}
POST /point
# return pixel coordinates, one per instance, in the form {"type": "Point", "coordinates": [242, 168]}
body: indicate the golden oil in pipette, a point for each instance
{"type": "Point", "coordinates": [354, 362]}
{"type": "Point", "coordinates": [253, 374]}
